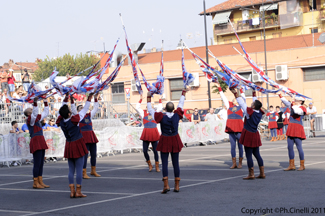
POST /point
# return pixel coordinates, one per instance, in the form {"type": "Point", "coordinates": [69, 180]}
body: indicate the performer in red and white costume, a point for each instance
{"type": "Point", "coordinates": [75, 147]}
{"type": "Point", "coordinates": [295, 132]}
{"type": "Point", "coordinates": [86, 127]}
{"type": "Point", "coordinates": [234, 126]}
{"type": "Point", "coordinates": [150, 134]}
{"type": "Point", "coordinates": [273, 125]}
{"type": "Point", "coordinates": [169, 142]}
{"type": "Point", "coordinates": [37, 143]}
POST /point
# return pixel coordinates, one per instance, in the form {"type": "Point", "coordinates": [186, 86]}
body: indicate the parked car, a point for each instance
{"type": "Point", "coordinates": [188, 113]}
{"type": "Point", "coordinates": [203, 113]}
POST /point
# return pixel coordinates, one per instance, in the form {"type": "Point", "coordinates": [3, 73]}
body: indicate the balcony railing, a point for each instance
{"type": "Point", "coordinates": [247, 25]}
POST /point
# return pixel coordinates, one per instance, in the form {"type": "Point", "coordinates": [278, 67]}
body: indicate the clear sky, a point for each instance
{"type": "Point", "coordinates": [39, 28]}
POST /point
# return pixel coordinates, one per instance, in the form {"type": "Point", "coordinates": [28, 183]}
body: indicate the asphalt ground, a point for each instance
{"type": "Point", "coordinates": [208, 186]}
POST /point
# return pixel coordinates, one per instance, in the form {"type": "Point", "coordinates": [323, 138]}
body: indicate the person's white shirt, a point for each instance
{"type": "Point", "coordinates": [312, 110]}
{"type": "Point", "coordinates": [15, 95]}
{"type": "Point", "coordinates": [211, 117]}
{"type": "Point", "coordinates": [223, 114]}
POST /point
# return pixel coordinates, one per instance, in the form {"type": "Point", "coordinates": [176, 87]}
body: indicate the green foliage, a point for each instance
{"type": "Point", "coordinates": [223, 86]}
{"type": "Point", "coordinates": [67, 64]}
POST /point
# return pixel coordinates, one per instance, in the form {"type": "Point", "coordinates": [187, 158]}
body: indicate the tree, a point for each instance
{"type": "Point", "coordinates": [223, 86]}
{"type": "Point", "coordinates": [67, 64]}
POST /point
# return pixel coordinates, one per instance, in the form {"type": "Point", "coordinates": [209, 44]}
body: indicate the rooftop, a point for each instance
{"type": "Point", "coordinates": [236, 4]}
{"type": "Point", "coordinates": [282, 43]}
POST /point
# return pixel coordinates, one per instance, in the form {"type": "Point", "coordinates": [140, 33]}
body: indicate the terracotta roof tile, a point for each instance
{"type": "Point", "coordinates": [233, 4]}
{"type": "Point", "coordinates": [274, 44]}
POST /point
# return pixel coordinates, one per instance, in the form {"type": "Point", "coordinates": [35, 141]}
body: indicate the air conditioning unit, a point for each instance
{"type": "Point", "coordinates": [133, 85]}
{"type": "Point", "coordinates": [196, 81]}
{"type": "Point", "coordinates": [256, 77]}
{"type": "Point", "coordinates": [281, 72]}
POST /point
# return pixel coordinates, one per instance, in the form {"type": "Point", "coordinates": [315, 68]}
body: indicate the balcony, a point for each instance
{"type": "Point", "coordinates": [246, 26]}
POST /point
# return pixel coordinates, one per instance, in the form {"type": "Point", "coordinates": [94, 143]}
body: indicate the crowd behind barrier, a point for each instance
{"type": "Point", "coordinates": [112, 136]}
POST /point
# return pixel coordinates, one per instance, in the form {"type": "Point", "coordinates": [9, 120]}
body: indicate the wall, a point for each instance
{"type": "Point", "coordinates": [197, 97]}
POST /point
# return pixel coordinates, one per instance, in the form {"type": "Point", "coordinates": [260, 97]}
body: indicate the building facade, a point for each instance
{"type": "Point", "coordinates": [302, 64]}
{"type": "Point", "coordinates": [282, 19]}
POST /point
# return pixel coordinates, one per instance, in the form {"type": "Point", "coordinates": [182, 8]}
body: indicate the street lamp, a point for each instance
{"type": "Point", "coordinates": [264, 9]}
{"type": "Point", "coordinates": [207, 50]}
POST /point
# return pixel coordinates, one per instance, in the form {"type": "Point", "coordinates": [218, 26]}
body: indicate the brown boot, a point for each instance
{"type": "Point", "coordinates": [283, 137]}
{"type": "Point", "coordinates": [93, 172]}
{"type": "Point", "coordinates": [40, 180]}
{"type": "Point", "coordinates": [166, 186]}
{"type": "Point", "coordinates": [36, 184]}
{"type": "Point", "coordinates": [157, 166]}
{"type": "Point", "coordinates": [234, 165]}
{"type": "Point", "coordinates": [73, 192]}
{"type": "Point", "coordinates": [240, 163]}
{"type": "Point", "coordinates": [262, 174]}
{"type": "Point", "coordinates": [272, 140]}
{"type": "Point", "coordinates": [291, 165]}
{"type": "Point", "coordinates": [150, 166]}
{"type": "Point", "coordinates": [302, 165]}
{"type": "Point", "coordinates": [78, 192]}
{"type": "Point", "coordinates": [84, 174]}
{"type": "Point", "coordinates": [250, 174]}
{"type": "Point", "coordinates": [176, 188]}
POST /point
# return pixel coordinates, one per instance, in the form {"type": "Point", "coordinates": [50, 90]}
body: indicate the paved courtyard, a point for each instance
{"type": "Point", "coordinates": [208, 186]}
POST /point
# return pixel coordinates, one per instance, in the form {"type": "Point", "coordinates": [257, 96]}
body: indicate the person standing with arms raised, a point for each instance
{"type": "Point", "coordinates": [169, 142]}
{"type": "Point", "coordinates": [37, 143]}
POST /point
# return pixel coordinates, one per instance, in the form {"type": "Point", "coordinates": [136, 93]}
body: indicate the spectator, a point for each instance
{"type": "Point", "coordinates": [4, 80]}
{"type": "Point", "coordinates": [52, 126]}
{"type": "Point", "coordinates": [24, 128]}
{"type": "Point", "coordinates": [44, 125]}
{"type": "Point", "coordinates": [102, 108]}
{"type": "Point", "coordinates": [11, 82]}
{"type": "Point", "coordinates": [210, 116]}
{"type": "Point", "coordinates": [223, 115]}
{"type": "Point", "coordinates": [195, 116]}
{"type": "Point", "coordinates": [26, 79]}
{"type": "Point", "coordinates": [21, 89]}
{"type": "Point", "coordinates": [16, 94]}
{"type": "Point", "coordinates": [15, 129]}
{"type": "Point", "coordinates": [312, 111]}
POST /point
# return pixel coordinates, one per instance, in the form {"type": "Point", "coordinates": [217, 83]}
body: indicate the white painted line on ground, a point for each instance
{"type": "Point", "coordinates": [25, 181]}
{"type": "Point", "coordinates": [13, 211]}
{"type": "Point", "coordinates": [63, 191]}
{"type": "Point", "coordinates": [152, 192]}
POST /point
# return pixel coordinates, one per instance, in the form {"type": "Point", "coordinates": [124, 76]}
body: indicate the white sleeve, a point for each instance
{"type": "Point", "coordinates": [151, 110]}
{"type": "Point", "coordinates": [286, 102]}
{"type": "Point", "coordinates": [298, 110]}
{"type": "Point", "coordinates": [34, 115]}
{"type": "Point", "coordinates": [45, 112]}
{"type": "Point", "coordinates": [181, 102]}
{"type": "Point", "coordinates": [84, 110]}
{"type": "Point", "coordinates": [74, 109]}
{"type": "Point", "coordinates": [140, 111]}
{"type": "Point", "coordinates": [95, 109]}
{"type": "Point", "coordinates": [224, 99]}
{"type": "Point", "coordinates": [160, 107]}
{"type": "Point", "coordinates": [243, 105]}
{"type": "Point", "coordinates": [277, 118]}
{"type": "Point", "coordinates": [314, 109]}
{"type": "Point", "coordinates": [283, 116]}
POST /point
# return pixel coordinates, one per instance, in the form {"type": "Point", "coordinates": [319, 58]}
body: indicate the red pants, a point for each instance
{"type": "Point", "coordinates": [279, 131]}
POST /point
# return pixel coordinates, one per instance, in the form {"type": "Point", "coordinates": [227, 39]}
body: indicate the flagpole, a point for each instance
{"type": "Point", "coordinates": [266, 73]}
{"type": "Point", "coordinates": [207, 50]}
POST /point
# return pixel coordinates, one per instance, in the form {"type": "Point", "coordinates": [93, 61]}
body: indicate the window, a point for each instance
{"type": "Point", "coordinates": [253, 38]}
{"type": "Point", "coordinates": [228, 41]}
{"type": "Point", "coordinates": [314, 73]}
{"type": "Point", "coordinates": [247, 75]}
{"type": "Point", "coordinates": [277, 35]}
{"type": "Point", "coordinates": [17, 77]}
{"type": "Point", "coordinates": [118, 93]}
{"type": "Point", "coordinates": [176, 88]}
{"type": "Point", "coordinates": [313, 30]}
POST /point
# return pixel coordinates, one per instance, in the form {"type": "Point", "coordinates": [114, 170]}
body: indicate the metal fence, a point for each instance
{"type": "Point", "coordinates": [15, 111]}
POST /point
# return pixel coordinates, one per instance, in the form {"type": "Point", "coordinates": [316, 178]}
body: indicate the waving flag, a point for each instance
{"type": "Point", "coordinates": [262, 74]}
{"type": "Point", "coordinates": [58, 86]}
{"type": "Point", "coordinates": [32, 92]}
{"type": "Point", "coordinates": [158, 86]}
{"type": "Point", "coordinates": [187, 77]}
{"type": "Point", "coordinates": [104, 85]}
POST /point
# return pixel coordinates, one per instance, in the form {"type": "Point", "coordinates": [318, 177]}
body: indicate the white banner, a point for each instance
{"type": "Point", "coordinates": [16, 146]}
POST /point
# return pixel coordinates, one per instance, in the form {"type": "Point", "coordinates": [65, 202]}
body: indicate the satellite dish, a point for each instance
{"type": "Point", "coordinates": [322, 38]}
